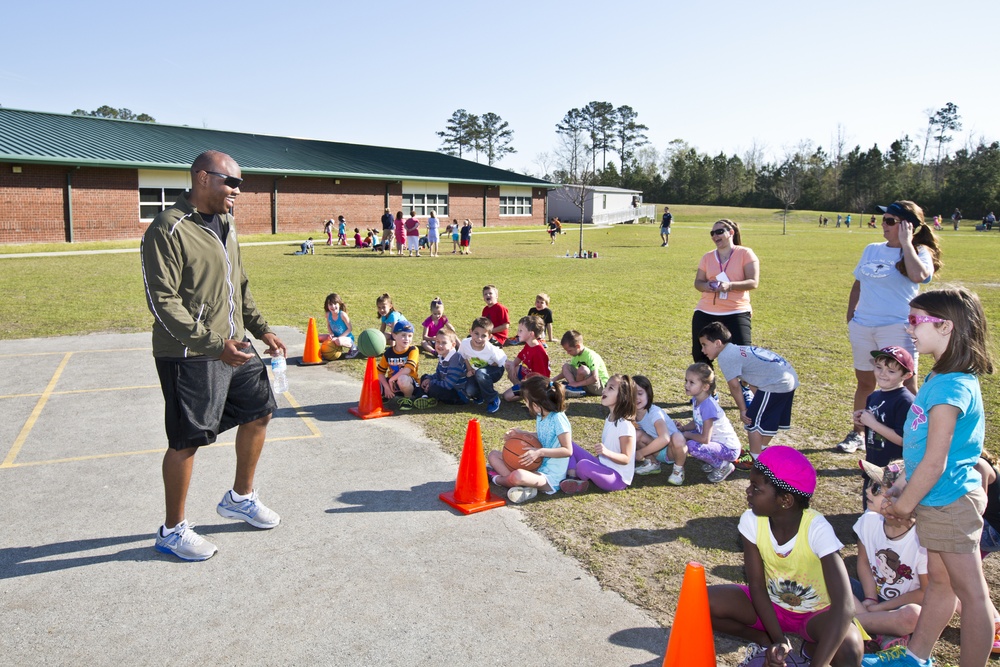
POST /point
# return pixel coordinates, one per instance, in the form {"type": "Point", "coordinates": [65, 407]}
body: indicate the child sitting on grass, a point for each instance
{"type": "Point", "coordinates": [484, 363]}
{"type": "Point", "coordinates": [773, 380]}
{"type": "Point", "coordinates": [388, 316]}
{"type": "Point", "coordinates": [497, 314]}
{"type": "Point", "coordinates": [533, 359]}
{"type": "Point", "coordinates": [796, 580]}
{"type": "Point", "coordinates": [654, 430]}
{"type": "Point", "coordinates": [338, 323]}
{"type": "Point", "coordinates": [398, 366]}
{"type": "Point", "coordinates": [710, 436]}
{"type": "Point", "coordinates": [547, 403]}
{"type": "Point", "coordinates": [541, 308]}
{"type": "Point", "coordinates": [448, 380]}
{"type": "Point", "coordinates": [585, 372]}
{"type": "Point", "coordinates": [613, 467]}
{"type": "Point", "coordinates": [892, 566]}
{"type": "Point", "coordinates": [437, 321]}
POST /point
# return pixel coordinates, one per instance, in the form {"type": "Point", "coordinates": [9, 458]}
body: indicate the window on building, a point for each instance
{"type": "Point", "coordinates": [423, 197]}
{"type": "Point", "coordinates": [154, 200]}
{"type": "Point", "coordinates": [515, 201]}
{"type": "Point", "coordinates": [604, 202]}
{"type": "Point", "coordinates": [159, 188]}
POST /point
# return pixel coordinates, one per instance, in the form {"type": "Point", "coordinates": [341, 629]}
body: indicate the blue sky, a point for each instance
{"type": "Point", "coordinates": [720, 75]}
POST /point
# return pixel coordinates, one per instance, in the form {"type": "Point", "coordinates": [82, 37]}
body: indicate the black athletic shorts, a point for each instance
{"type": "Point", "coordinates": [203, 398]}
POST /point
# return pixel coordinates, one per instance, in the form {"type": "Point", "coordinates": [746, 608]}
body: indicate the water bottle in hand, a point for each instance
{"type": "Point", "coordinates": [280, 381]}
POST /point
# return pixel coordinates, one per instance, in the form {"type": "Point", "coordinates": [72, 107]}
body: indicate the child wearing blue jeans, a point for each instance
{"type": "Point", "coordinates": [484, 364]}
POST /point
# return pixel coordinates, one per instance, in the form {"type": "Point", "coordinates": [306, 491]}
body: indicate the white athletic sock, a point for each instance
{"type": "Point", "coordinates": [919, 660]}
{"type": "Point", "coordinates": [238, 498]}
{"type": "Point", "coordinates": [164, 531]}
{"type": "Point", "coordinates": [754, 456]}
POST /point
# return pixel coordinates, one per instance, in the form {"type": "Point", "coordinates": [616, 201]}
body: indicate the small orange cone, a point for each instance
{"type": "Point", "coordinates": [370, 405]}
{"type": "Point", "coordinates": [691, 641]}
{"type": "Point", "coordinates": [472, 489]}
{"type": "Point", "coordinates": [310, 356]}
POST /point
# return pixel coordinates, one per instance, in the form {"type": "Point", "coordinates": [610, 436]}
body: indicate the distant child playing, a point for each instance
{"type": "Point", "coordinates": [533, 359]}
{"type": "Point", "coordinates": [484, 363]}
{"type": "Point", "coordinates": [796, 580]}
{"type": "Point", "coordinates": [497, 313]}
{"type": "Point", "coordinates": [432, 325]}
{"type": "Point", "coordinates": [388, 315]}
{"type": "Point", "coordinates": [768, 374]}
{"type": "Point", "coordinates": [399, 364]}
{"type": "Point", "coordinates": [399, 232]}
{"type": "Point", "coordinates": [338, 323]}
{"type": "Point", "coordinates": [585, 372]}
{"type": "Point", "coordinates": [892, 566]}
{"type": "Point", "coordinates": [465, 238]}
{"type": "Point", "coordinates": [341, 230]}
{"type": "Point", "coordinates": [710, 436]}
{"type": "Point", "coordinates": [547, 403]}
{"type": "Point", "coordinates": [941, 445]}
{"type": "Point", "coordinates": [614, 466]}
{"type": "Point", "coordinates": [655, 430]}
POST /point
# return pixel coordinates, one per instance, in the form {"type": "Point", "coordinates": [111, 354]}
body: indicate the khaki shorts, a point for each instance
{"type": "Point", "coordinates": [953, 528]}
{"type": "Point", "coordinates": [594, 389]}
{"type": "Point", "coordinates": [865, 340]}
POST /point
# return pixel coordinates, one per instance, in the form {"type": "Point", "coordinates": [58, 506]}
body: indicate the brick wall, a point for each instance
{"type": "Point", "coordinates": [32, 204]}
{"type": "Point", "coordinates": [106, 204]}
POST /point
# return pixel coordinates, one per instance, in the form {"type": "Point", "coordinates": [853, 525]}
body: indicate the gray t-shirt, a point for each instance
{"type": "Point", "coordinates": [762, 368]}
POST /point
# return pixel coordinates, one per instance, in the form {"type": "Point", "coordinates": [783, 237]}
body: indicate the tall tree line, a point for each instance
{"type": "Point", "coordinates": [806, 177]}
{"type": "Point", "coordinates": [466, 134]}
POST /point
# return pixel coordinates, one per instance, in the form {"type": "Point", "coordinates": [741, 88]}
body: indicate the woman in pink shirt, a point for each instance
{"type": "Point", "coordinates": [725, 277]}
{"type": "Point", "coordinates": [412, 235]}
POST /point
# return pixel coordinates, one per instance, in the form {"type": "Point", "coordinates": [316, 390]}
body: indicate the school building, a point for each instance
{"type": "Point", "coordinates": [76, 178]}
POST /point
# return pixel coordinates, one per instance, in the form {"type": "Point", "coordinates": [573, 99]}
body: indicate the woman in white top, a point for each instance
{"type": "Point", "coordinates": [887, 277]}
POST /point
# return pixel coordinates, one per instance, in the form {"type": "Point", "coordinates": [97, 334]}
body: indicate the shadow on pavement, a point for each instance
{"type": "Point", "coordinates": [422, 498]}
{"type": "Point", "coordinates": [653, 640]}
{"type": "Point", "coordinates": [26, 561]}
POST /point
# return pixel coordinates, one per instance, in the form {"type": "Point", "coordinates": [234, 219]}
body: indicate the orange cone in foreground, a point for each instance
{"type": "Point", "coordinates": [691, 641]}
{"type": "Point", "coordinates": [472, 489]}
{"type": "Point", "coordinates": [310, 356]}
{"type": "Point", "coordinates": [370, 405]}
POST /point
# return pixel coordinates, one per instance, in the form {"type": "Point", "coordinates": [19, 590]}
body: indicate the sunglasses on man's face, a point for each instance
{"type": "Point", "coordinates": [230, 181]}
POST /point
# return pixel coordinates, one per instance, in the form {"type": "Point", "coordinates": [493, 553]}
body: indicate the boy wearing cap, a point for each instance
{"type": "Point", "coordinates": [892, 566]}
{"type": "Point", "coordinates": [398, 365]}
{"type": "Point", "coordinates": [885, 409]}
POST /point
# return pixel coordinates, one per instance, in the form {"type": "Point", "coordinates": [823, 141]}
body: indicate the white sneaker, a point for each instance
{"type": "Point", "coordinates": [250, 510]}
{"type": "Point", "coordinates": [676, 477]}
{"type": "Point", "coordinates": [722, 472]}
{"type": "Point", "coordinates": [851, 443]}
{"type": "Point", "coordinates": [648, 468]}
{"type": "Point", "coordinates": [521, 494]}
{"type": "Point", "coordinates": [184, 543]}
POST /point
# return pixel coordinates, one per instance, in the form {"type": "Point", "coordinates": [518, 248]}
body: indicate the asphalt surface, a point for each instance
{"type": "Point", "coordinates": [368, 567]}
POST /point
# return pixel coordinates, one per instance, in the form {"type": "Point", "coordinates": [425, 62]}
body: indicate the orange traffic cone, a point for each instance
{"type": "Point", "coordinates": [691, 641]}
{"type": "Point", "coordinates": [370, 405]}
{"type": "Point", "coordinates": [310, 356]}
{"type": "Point", "coordinates": [472, 489]}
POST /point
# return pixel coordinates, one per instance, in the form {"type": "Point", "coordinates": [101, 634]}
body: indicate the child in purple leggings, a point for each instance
{"type": "Point", "coordinates": [613, 467]}
{"type": "Point", "coordinates": [709, 436]}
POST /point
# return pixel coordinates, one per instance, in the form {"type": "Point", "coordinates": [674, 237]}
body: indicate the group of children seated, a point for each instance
{"type": "Point", "coordinates": [909, 558]}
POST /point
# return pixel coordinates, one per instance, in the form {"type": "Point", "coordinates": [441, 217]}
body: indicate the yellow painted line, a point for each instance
{"type": "Point", "coordinates": [82, 391]}
{"type": "Point", "coordinates": [298, 410]}
{"type": "Point", "coordinates": [92, 457]}
{"type": "Point", "coordinates": [15, 449]}
{"type": "Point", "coordinates": [48, 354]}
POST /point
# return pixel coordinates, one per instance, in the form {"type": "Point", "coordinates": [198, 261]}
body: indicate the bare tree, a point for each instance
{"type": "Point", "coordinates": [787, 187]}
{"type": "Point", "coordinates": [572, 134]}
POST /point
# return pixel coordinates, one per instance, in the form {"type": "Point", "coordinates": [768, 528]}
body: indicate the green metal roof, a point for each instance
{"type": "Point", "coordinates": [50, 138]}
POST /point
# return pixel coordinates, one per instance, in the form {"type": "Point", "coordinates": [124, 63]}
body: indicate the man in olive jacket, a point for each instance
{"type": "Point", "coordinates": [210, 374]}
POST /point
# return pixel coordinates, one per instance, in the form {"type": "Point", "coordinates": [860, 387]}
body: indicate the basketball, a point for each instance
{"type": "Point", "coordinates": [371, 343]}
{"type": "Point", "coordinates": [516, 445]}
{"type": "Point", "coordinates": [330, 351]}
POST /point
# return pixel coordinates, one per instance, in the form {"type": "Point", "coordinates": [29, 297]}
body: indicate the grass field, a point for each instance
{"type": "Point", "coordinates": [633, 305]}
